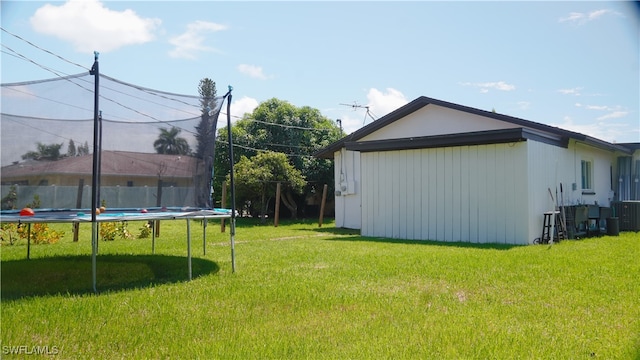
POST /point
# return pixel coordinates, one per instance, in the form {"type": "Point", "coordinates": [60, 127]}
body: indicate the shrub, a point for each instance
{"type": "Point", "coordinates": [110, 230]}
{"type": "Point", "coordinates": [41, 233]}
{"type": "Point", "coordinates": [145, 230]}
{"type": "Point", "coordinates": [8, 233]}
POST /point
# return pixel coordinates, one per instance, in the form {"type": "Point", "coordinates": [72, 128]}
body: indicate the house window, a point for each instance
{"type": "Point", "coordinates": [129, 183]}
{"type": "Point", "coordinates": [587, 175]}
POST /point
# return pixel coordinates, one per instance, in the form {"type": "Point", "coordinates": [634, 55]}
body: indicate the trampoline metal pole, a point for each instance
{"type": "Point", "coordinates": [153, 236]}
{"type": "Point", "coordinates": [189, 246]}
{"type": "Point", "coordinates": [204, 236]}
{"type": "Point", "coordinates": [232, 232]}
{"type": "Point", "coordinates": [96, 162]}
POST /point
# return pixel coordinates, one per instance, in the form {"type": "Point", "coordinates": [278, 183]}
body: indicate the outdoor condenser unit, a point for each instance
{"type": "Point", "coordinates": [628, 213]}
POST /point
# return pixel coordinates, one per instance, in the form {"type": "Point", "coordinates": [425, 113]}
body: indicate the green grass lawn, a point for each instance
{"type": "Point", "coordinates": [301, 292]}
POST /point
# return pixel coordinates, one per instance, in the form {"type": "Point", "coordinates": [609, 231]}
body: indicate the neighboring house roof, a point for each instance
{"type": "Point", "coordinates": [530, 130]}
{"type": "Point", "coordinates": [113, 163]}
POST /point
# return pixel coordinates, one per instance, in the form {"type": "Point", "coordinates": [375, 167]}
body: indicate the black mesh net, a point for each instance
{"type": "Point", "coordinates": [155, 148]}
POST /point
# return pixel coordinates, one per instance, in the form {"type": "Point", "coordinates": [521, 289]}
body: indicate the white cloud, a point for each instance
{"type": "Point", "coordinates": [252, 71]}
{"type": "Point", "coordinates": [574, 91]}
{"type": "Point", "coordinates": [613, 115]}
{"type": "Point", "coordinates": [486, 86]}
{"type": "Point", "coordinates": [243, 106]}
{"type": "Point", "coordinates": [603, 130]}
{"type": "Point", "coordinates": [379, 103]}
{"type": "Point", "coordinates": [191, 42]}
{"type": "Point", "coordinates": [581, 18]}
{"type": "Point", "coordinates": [597, 107]}
{"type": "Point", "coordinates": [90, 26]}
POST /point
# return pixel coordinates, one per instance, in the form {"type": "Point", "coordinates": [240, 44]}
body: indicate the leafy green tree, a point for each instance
{"type": "Point", "coordinates": [298, 132]}
{"type": "Point", "coordinates": [256, 179]}
{"type": "Point", "coordinates": [11, 199]}
{"type": "Point", "coordinates": [44, 152]}
{"type": "Point", "coordinates": [170, 143]}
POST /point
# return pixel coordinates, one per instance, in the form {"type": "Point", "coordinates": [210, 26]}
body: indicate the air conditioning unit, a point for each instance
{"type": "Point", "coordinates": [628, 213]}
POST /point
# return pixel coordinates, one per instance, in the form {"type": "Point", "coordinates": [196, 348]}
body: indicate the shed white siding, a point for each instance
{"type": "Point", "coordinates": [347, 180]}
{"type": "Point", "coordinates": [468, 193]}
{"type": "Point", "coordinates": [437, 120]}
{"type": "Point", "coordinates": [439, 171]}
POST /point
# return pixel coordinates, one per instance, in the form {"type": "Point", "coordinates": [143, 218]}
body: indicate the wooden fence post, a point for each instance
{"type": "Point", "coordinates": [276, 218]}
{"type": "Point", "coordinates": [324, 200]}
{"type": "Point", "coordinates": [223, 203]}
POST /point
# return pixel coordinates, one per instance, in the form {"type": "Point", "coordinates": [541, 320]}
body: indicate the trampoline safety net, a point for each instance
{"type": "Point", "coordinates": [157, 148]}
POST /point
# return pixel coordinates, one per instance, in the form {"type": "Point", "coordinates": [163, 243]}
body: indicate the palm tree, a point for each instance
{"type": "Point", "coordinates": [169, 143]}
{"type": "Point", "coordinates": [44, 152]}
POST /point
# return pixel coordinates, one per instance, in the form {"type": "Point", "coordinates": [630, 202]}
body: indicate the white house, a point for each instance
{"type": "Point", "coordinates": [442, 171]}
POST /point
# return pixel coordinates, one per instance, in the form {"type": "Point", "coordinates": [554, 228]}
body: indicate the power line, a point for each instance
{"type": "Point", "coordinates": [149, 91]}
{"type": "Point", "coordinates": [164, 95]}
{"type": "Point", "coordinates": [42, 49]}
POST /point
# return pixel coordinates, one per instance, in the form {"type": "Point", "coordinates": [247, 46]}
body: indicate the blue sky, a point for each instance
{"type": "Point", "coordinates": [568, 64]}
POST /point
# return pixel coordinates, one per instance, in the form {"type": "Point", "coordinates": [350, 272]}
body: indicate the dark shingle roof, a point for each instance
{"type": "Point", "coordinates": [113, 163]}
{"type": "Point", "coordinates": [423, 101]}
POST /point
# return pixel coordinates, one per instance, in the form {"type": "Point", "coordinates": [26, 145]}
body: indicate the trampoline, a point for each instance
{"type": "Point", "coordinates": [147, 170]}
{"type": "Point", "coordinates": [154, 214]}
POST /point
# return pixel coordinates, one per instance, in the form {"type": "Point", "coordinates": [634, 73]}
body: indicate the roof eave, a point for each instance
{"type": "Point", "coordinates": [459, 139]}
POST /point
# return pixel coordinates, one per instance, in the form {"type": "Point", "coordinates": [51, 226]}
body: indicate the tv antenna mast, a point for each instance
{"type": "Point", "coordinates": [368, 113]}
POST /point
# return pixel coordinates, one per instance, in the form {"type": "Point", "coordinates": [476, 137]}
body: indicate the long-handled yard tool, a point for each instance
{"type": "Point", "coordinates": [563, 216]}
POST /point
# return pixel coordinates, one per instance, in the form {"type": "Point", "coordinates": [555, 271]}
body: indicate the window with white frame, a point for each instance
{"type": "Point", "coordinates": [587, 175]}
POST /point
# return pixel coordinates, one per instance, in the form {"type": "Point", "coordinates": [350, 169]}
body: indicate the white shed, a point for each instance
{"type": "Point", "coordinates": [433, 170]}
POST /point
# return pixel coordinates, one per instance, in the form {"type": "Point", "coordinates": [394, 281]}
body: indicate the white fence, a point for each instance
{"type": "Point", "coordinates": [66, 197]}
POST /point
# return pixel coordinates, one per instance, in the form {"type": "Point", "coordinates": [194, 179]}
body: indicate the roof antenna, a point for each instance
{"type": "Point", "coordinates": [368, 113]}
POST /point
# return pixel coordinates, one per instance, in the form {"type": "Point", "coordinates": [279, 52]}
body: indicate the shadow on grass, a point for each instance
{"type": "Point", "coordinates": [72, 274]}
{"type": "Point", "coordinates": [458, 244]}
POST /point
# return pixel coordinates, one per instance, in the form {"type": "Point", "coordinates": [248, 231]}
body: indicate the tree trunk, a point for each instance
{"type": "Point", "coordinates": [263, 208]}
{"type": "Point", "coordinates": [290, 203]}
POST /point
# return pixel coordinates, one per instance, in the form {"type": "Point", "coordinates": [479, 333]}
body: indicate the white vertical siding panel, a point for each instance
{"type": "Point", "coordinates": [386, 200]}
{"type": "Point", "coordinates": [502, 193]}
{"type": "Point", "coordinates": [393, 179]}
{"type": "Point", "coordinates": [482, 194]}
{"type": "Point", "coordinates": [446, 205]}
{"type": "Point", "coordinates": [490, 206]}
{"type": "Point", "coordinates": [403, 180]}
{"type": "Point", "coordinates": [374, 191]}
{"type": "Point", "coordinates": [469, 193]}
{"type": "Point", "coordinates": [432, 187]}
{"type": "Point", "coordinates": [440, 194]}
{"type": "Point", "coordinates": [365, 188]}
{"type": "Point", "coordinates": [417, 194]}
{"type": "Point", "coordinates": [424, 193]}
{"type": "Point", "coordinates": [364, 192]}
{"type": "Point", "coordinates": [465, 194]}
{"type": "Point", "coordinates": [473, 194]}
{"type": "Point", "coordinates": [522, 178]}
{"type": "Point", "coordinates": [512, 197]}
{"type": "Point", "coordinates": [355, 207]}
{"type": "Point", "coordinates": [542, 171]}
{"type": "Point", "coordinates": [337, 156]}
{"type": "Point", "coordinates": [456, 205]}
{"type": "Point", "coordinates": [376, 195]}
